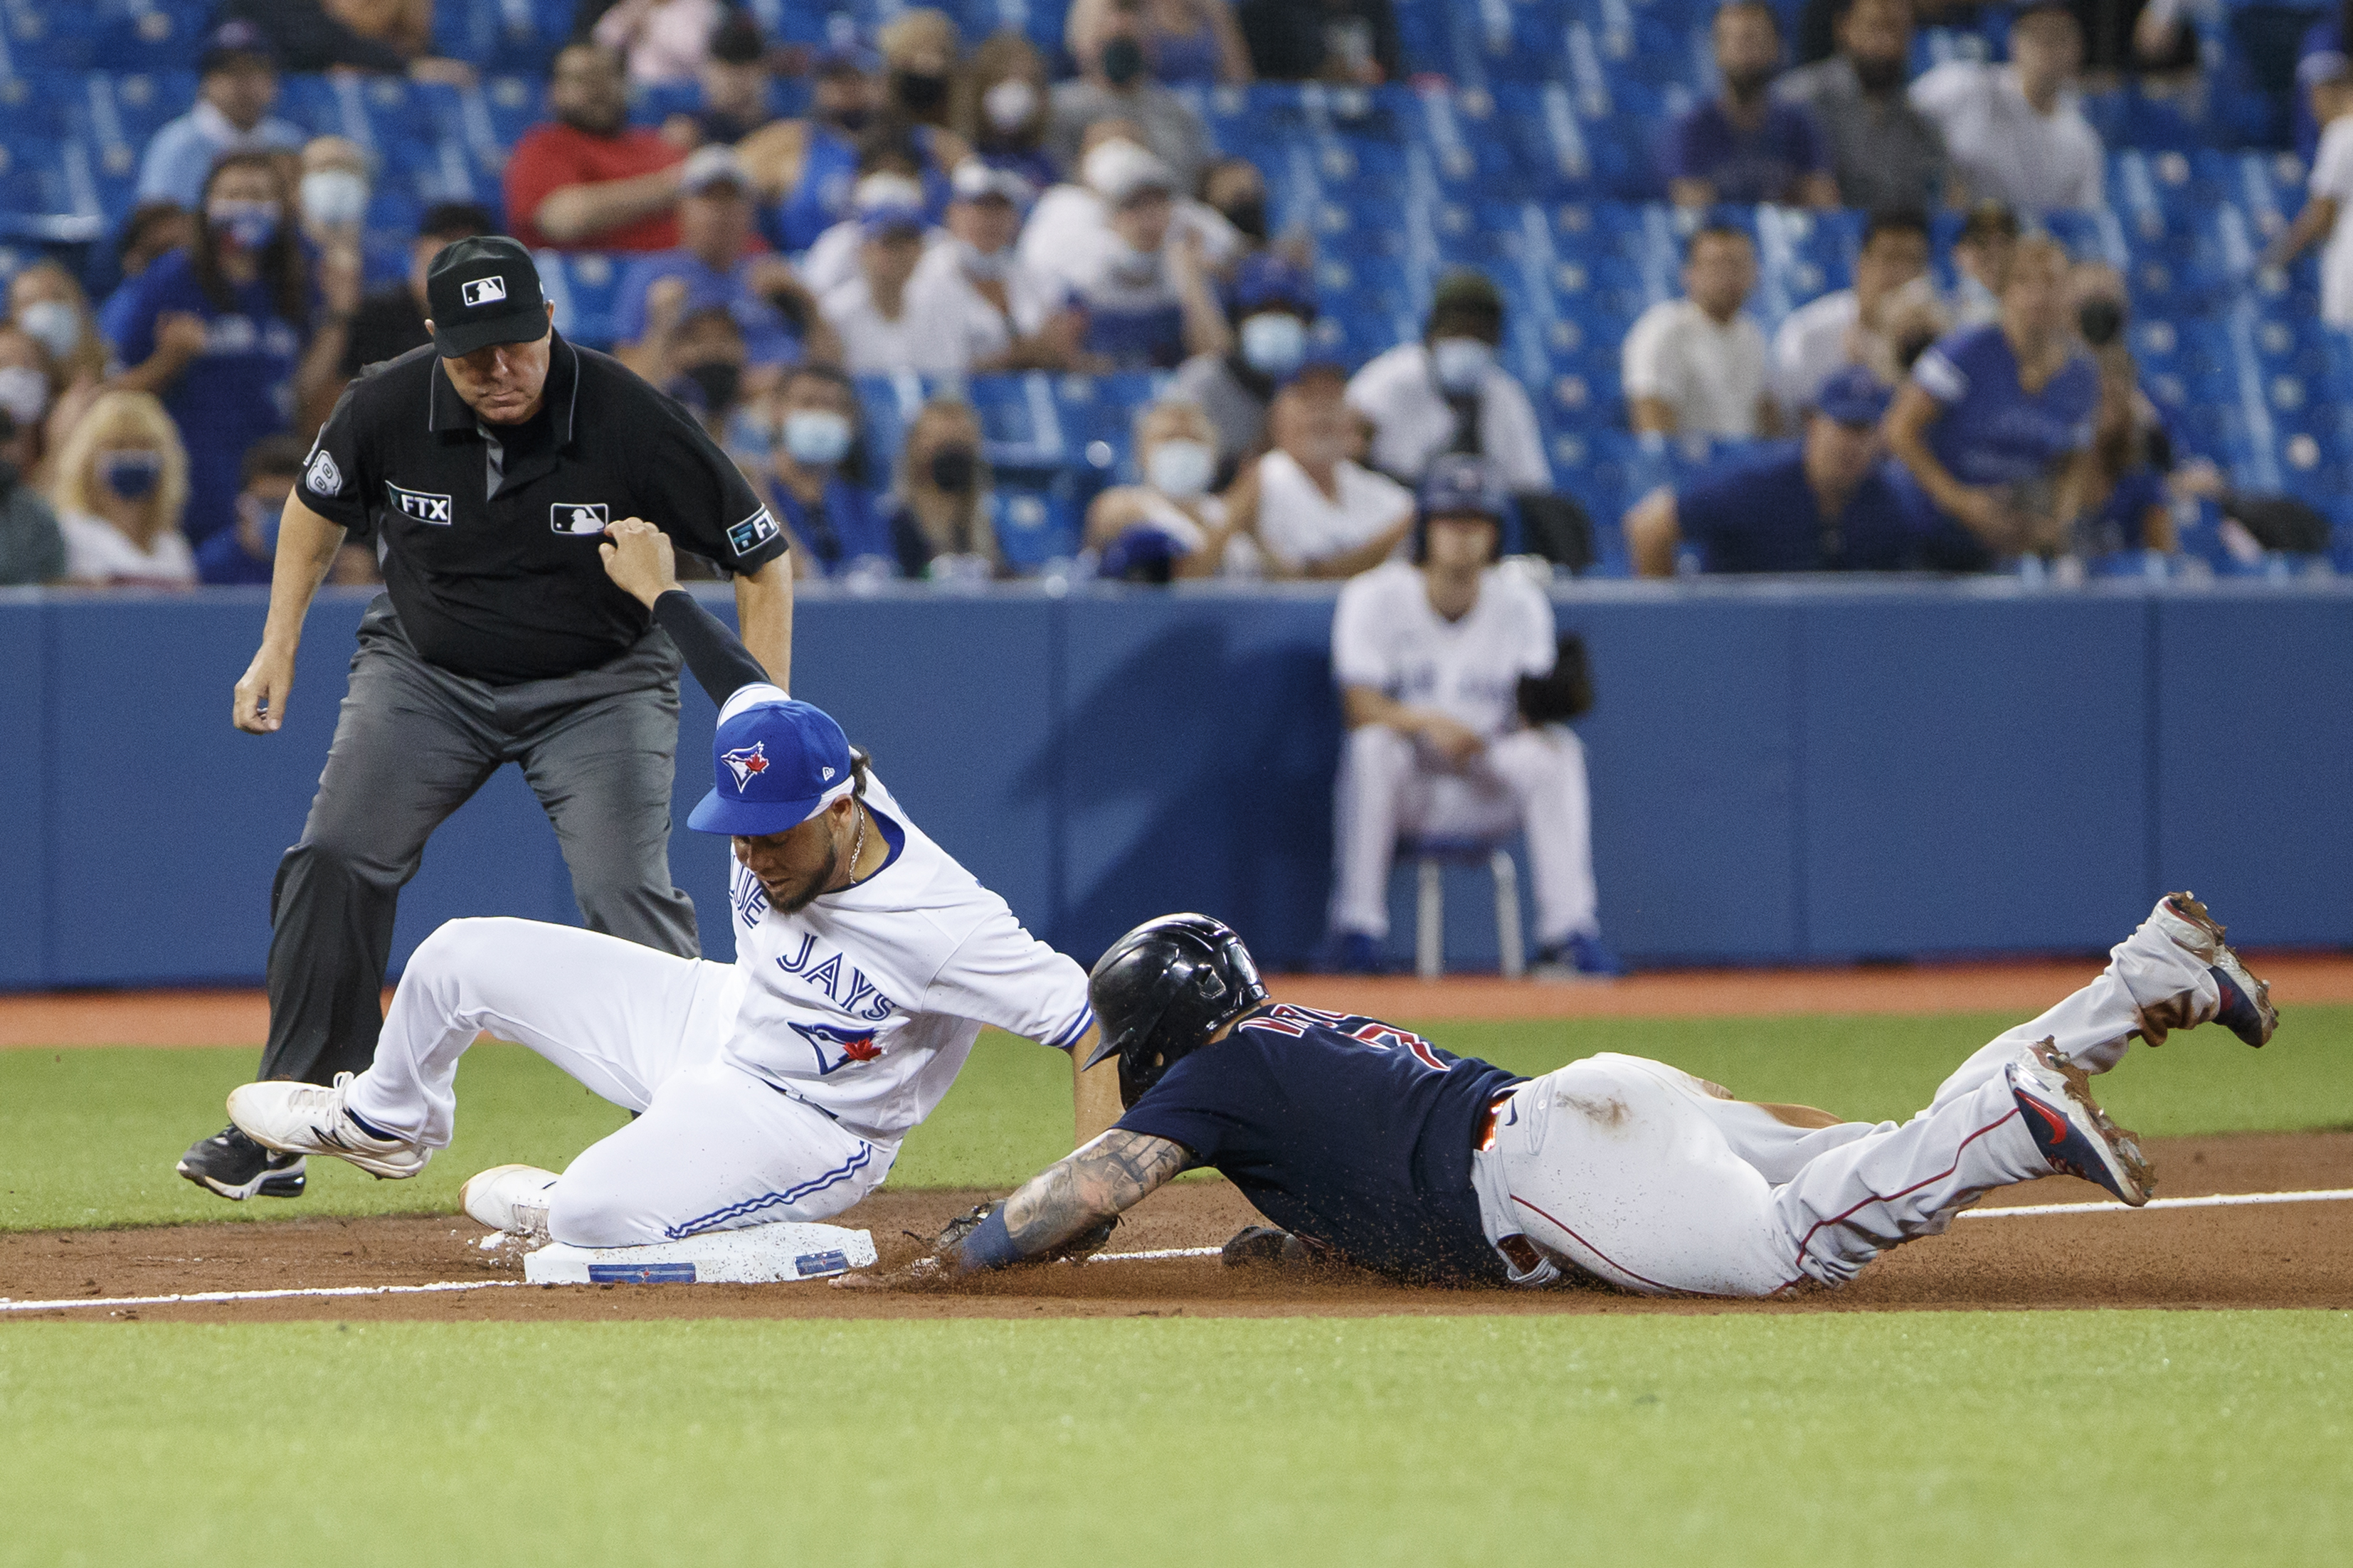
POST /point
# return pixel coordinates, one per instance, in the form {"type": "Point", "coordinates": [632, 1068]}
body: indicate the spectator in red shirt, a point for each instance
{"type": "Point", "coordinates": [590, 182]}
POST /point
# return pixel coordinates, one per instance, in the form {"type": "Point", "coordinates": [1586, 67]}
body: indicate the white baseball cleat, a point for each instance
{"type": "Point", "coordinates": [512, 1198]}
{"type": "Point", "coordinates": [303, 1118]}
{"type": "Point", "coordinates": [2054, 1099]}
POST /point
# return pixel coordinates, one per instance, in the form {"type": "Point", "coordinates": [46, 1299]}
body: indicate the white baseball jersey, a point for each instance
{"type": "Point", "coordinates": [865, 1002]}
{"type": "Point", "coordinates": [1385, 636]}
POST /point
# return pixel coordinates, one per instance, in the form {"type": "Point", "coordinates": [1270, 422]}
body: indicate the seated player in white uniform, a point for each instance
{"type": "Point", "coordinates": [1432, 657]}
{"type": "Point", "coordinates": [1366, 1144]}
{"type": "Point", "coordinates": [776, 1088]}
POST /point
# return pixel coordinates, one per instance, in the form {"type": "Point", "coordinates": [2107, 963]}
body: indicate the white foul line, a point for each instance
{"type": "Point", "coordinates": [2213, 1201]}
{"type": "Point", "coordinates": [2217, 1200]}
{"type": "Point", "coordinates": [202, 1296]}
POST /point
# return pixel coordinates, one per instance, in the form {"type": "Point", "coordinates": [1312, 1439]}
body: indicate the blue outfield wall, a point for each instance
{"type": "Point", "coordinates": [1781, 772]}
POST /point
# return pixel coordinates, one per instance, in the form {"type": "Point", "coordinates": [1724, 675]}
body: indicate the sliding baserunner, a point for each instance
{"type": "Point", "coordinates": [1365, 1143]}
{"type": "Point", "coordinates": [776, 1088]}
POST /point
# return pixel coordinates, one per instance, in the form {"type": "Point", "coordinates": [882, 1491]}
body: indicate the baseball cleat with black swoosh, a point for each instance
{"type": "Point", "coordinates": [304, 1119]}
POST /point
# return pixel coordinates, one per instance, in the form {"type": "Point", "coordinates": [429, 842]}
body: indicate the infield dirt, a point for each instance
{"type": "Point", "coordinates": [2288, 1255]}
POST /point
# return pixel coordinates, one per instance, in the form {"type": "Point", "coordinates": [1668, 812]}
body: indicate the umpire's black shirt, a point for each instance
{"type": "Point", "coordinates": [508, 586]}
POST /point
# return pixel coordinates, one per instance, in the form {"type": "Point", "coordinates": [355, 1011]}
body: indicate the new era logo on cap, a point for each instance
{"type": "Point", "coordinates": [485, 291]}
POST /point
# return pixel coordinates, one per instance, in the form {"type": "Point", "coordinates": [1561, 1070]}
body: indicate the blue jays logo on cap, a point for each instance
{"type": "Point", "coordinates": [776, 763]}
{"type": "Point", "coordinates": [744, 762]}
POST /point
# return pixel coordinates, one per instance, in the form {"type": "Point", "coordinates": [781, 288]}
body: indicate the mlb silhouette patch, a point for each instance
{"type": "Point", "coordinates": [578, 517]}
{"type": "Point", "coordinates": [746, 762]}
{"type": "Point", "coordinates": [418, 504]}
{"type": "Point", "coordinates": [485, 291]}
{"type": "Point", "coordinates": [325, 478]}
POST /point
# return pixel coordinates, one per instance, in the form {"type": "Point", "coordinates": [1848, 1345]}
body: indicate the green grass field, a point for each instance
{"type": "Point", "coordinates": [1915, 1438]}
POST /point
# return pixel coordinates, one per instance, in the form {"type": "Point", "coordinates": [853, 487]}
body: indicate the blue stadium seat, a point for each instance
{"type": "Point", "coordinates": [1038, 523]}
{"type": "Point", "coordinates": [584, 285]}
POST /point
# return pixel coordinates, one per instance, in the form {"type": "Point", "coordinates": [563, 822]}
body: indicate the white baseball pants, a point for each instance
{"type": "Point", "coordinates": [1651, 1180]}
{"type": "Point", "coordinates": [1390, 785]}
{"type": "Point", "coordinates": [713, 1146]}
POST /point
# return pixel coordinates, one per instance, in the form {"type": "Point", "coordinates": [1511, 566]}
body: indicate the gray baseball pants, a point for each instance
{"type": "Point", "coordinates": [412, 744]}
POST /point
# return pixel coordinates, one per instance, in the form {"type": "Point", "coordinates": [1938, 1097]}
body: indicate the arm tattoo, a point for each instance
{"type": "Point", "coordinates": [1108, 1176]}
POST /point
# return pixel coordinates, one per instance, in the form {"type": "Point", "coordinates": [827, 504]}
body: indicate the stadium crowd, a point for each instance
{"type": "Point", "coordinates": [949, 206]}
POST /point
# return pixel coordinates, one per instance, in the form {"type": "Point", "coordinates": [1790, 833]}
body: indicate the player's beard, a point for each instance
{"type": "Point", "coordinates": [813, 887]}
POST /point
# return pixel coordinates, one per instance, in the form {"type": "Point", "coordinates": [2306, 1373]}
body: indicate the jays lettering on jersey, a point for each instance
{"type": "Point", "coordinates": [510, 586]}
{"type": "Point", "coordinates": [1349, 1131]}
{"type": "Point", "coordinates": [1385, 636]}
{"type": "Point", "coordinates": [866, 1002]}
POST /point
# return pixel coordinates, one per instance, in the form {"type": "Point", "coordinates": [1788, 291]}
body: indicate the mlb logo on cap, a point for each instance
{"type": "Point", "coordinates": [775, 764]}
{"type": "Point", "coordinates": [484, 291]}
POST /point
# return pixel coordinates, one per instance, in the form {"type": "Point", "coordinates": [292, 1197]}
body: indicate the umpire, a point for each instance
{"type": "Point", "coordinates": [484, 467]}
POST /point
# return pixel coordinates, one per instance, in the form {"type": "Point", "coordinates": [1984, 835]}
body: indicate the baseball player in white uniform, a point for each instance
{"type": "Point", "coordinates": [1430, 657]}
{"type": "Point", "coordinates": [773, 1088]}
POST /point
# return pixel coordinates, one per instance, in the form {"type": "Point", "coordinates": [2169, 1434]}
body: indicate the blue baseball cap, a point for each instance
{"type": "Point", "coordinates": [1460, 484]}
{"type": "Point", "coordinates": [1853, 396]}
{"type": "Point", "coordinates": [778, 763]}
{"type": "Point", "coordinates": [1266, 282]}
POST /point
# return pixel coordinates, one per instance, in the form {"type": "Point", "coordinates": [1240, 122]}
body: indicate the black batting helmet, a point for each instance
{"type": "Point", "coordinates": [1162, 990]}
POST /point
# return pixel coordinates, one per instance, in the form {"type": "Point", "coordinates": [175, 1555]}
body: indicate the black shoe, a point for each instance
{"type": "Point", "coordinates": [235, 1166]}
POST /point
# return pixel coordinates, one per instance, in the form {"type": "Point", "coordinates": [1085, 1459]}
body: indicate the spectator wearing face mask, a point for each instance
{"type": "Point", "coordinates": [918, 50]}
{"type": "Point", "coordinates": [237, 85]}
{"type": "Point", "coordinates": [810, 169]}
{"type": "Point", "coordinates": [1824, 504]}
{"type": "Point", "coordinates": [816, 484]}
{"type": "Point", "coordinates": [1886, 153]}
{"type": "Point", "coordinates": [712, 269]}
{"type": "Point", "coordinates": [333, 194]}
{"type": "Point", "coordinates": [589, 180]}
{"type": "Point", "coordinates": [218, 331]}
{"type": "Point", "coordinates": [980, 258]}
{"type": "Point", "coordinates": [664, 41]}
{"type": "Point", "coordinates": [48, 306]}
{"type": "Point", "coordinates": [1696, 365]}
{"type": "Point", "coordinates": [1743, 146]}
{"type": "Point", "coordinates": [1114, 83]}
{"type": "Point", "coordinates": [1447, 393]}
{"type": "Point", "coordinates": [1352, 43]}
{"type": "Point", "coordinates": [32, 550]}
{"type": "Point", "coordinates": [885, 325]}
{"type": "Point", "coordinates": [27, 389]}
{"type": "Point", "coordinates": [121, 490]}
{"type": "Point", "coordinates": [1187, 43]}
{"type": "Point", "coordinates": [1311, 511]}
{"type": "Point", "coordinates": [248, 551]}
{"type": "Point", "coordinates": [1269, 306]}
{"type": "Point", "coordinates": [735, 77]}
{"type": "Point", "coordinates": [1143, 279]}
{"type": "Point", "coordinates": [704, 364]}
{"type": "Point", "coordinates": [1000, 108]}
{"type": "Point", "coordinates": [940, 518]}
{"type": "Point", "coordinates": [1172, 525]}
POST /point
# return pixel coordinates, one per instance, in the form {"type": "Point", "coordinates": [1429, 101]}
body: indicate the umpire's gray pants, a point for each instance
{"type": "Point", "coordinates": [412, 744]}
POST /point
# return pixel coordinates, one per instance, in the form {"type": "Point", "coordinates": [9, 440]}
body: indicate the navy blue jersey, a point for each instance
{"type": "Point", "coordinates": [1343, 1129]}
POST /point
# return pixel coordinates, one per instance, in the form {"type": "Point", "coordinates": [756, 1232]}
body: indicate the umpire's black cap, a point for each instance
{"type": "Point", "coordinates": [482, 292]}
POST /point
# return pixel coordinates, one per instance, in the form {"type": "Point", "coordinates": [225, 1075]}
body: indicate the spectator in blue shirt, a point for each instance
{"type": "Point", "coordinates": [1823, 504]}
{"type": "Point", "coordinates": [218, 331]}
{"type": "Point", "coordinates": [247, 550]}
{"type": "Point", "coordinates": [1987, 427]}
{"type": "Point", "coordinates": [711, 270]}
{"type": "Point", "coordinates": [818, 485]}
{"type": "Point", "coordinates": [236, 83]}
{"type": "Point", "coordinates": [1747, 146]}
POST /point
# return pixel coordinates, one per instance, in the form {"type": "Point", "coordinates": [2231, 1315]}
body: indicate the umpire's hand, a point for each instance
{"type": "Point", "coordinates": [638, 558]}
